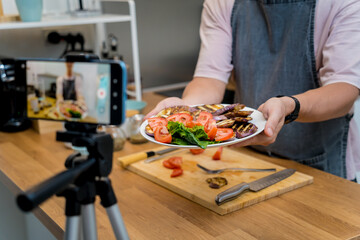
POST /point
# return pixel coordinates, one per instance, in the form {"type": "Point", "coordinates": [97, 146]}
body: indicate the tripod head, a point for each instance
{"type": "Point", "coordinates": [97, 164]}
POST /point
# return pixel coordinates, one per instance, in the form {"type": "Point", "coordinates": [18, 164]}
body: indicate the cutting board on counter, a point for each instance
{"type": "Point", "coordinates": [192, 184]}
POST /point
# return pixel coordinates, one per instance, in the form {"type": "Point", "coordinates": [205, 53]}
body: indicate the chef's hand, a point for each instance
{"type": "Point", "coordinates": [274, 111]}
{"type": "Point", "coordinates": [168, 102]}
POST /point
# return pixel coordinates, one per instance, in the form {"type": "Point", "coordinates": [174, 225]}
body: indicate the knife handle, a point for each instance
{"type": "Point", "coordinates": [129, 159]}
{"type": "Point", "coordinates": [231, 193]}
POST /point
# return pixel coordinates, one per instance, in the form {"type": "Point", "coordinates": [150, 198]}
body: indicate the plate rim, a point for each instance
{"type": "Point", "coordinates": [225, 143]}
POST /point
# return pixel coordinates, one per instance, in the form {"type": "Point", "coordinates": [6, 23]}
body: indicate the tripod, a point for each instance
{"type": "Point", "coordinates": [86, 177]}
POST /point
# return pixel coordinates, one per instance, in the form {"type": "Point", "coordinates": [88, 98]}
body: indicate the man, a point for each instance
{"type": "Point", "coordinates": [294, 60]}
{"type": "Point", "coordinates": [68, 87]}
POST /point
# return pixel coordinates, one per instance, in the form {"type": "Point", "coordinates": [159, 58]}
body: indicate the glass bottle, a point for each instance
{"type": "Point", "coordinates": [118, 135]}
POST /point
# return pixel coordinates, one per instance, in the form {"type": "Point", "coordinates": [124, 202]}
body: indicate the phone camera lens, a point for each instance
{"type": "Point", "coordinates": [115, 81]}
{"type": "Point", "coordinates": [115, 94]}
{"type": "Point", "coordinates": [115, 107]}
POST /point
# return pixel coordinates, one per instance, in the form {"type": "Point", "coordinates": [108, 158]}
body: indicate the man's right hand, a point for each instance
{"type": "Point", "coordinates": [168, 102]}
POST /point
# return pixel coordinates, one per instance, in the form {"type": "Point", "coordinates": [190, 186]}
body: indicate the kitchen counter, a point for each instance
{"type": "Point", "coordinates": [327, 209]}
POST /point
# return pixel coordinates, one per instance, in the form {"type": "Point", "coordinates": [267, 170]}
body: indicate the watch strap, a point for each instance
{"type": "Point", "coordinates": [295, 114]}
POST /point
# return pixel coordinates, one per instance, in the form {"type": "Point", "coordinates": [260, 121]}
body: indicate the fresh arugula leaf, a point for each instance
{"type": "Point", "coordinates": [192, 136]}
{"type": "Point", "coordinates": [179, 141]}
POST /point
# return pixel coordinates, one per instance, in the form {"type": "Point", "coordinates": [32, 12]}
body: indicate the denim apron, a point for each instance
{"type": "Point", "coordinates": [273, 54]}
{"type": "Point", "coordinates": [69, 92]}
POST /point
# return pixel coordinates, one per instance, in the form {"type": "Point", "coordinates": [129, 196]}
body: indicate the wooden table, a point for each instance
{"type": "Point", "coordinates": [327, 209]}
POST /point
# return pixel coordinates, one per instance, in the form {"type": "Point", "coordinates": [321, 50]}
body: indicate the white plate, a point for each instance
{"type": "Point", "coordinates": [257, 119]}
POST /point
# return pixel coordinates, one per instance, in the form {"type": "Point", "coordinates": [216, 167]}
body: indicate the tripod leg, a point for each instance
{"type": "Point", "coordinates": [117, 222]}
{"type": "Point", "coordinates": [108, 201]}
{"type": "Point", "coordinates": [89, 221]}
{"type": "Point", "coordinates": [72, 228]}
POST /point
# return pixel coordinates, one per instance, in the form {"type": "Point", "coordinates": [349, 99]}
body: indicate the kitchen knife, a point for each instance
{"type": "Point", "coordinates": [235, 191]}
{"type": "Point", "coordinates": [126, 160]}
{"type": "Point", "coordinates": [152, 159]}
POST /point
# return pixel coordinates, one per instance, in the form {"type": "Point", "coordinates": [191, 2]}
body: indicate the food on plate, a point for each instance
{"type": "Point", "coordinates": [197, 151]}
{"type": "Point", "coordinates": [244, 130]}
{"type": "Point", "coordinates": [71, 109]}
{"type": "Point", "coordinates": [175, 164]}
{"type": "Point", "coordinates": [161, 134]}
{"type": "Point", "coordinates": [216, 182]}
{"type": "Point", "coordinates": [217, 154]}
{"type": "Point", "coordinates": [201, 125]}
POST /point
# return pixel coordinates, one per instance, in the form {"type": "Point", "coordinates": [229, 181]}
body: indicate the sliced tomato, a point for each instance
{"type": "Point", "coordinates": [161, 134]}
{"type": "Point", "coordinates": [197, 151]}
{"type": "Point", "coordinates": [167, 164]}
{"type": "Point", "coordinates": [183, 118]}
{"type": "Point", "coordinates": [157, 122]}
{"type": "Point", "coordinates": [176, 172]}
{"type": "Point", "coordinates": [193, 124]}
{"type": "Point", "coordinates": [211, 129]}
{"type": "Point", "coordinates": [173, 162]}
{"type": "Point", "coordinates": [204, 117]}
{"type": "Point", "coordinates": [224, 134]}
{"type": "Point", "coordinates": [217, 154]}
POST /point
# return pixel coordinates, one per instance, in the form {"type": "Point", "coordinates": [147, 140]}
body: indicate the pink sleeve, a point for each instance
{"type": "Point", "coordinates": [216, 40]}
{"type": "Point", "coordinates": [341, 52]}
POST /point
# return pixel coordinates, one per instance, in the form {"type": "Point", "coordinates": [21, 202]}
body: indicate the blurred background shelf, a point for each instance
{"type": "Point", "coordinates": [99, 33]}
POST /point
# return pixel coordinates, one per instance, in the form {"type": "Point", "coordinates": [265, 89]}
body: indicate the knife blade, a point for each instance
{"type": "Point", "coordinates": [126, 160]}
{"type": "Point", "coordinates": [152, 159]}
{"type": "Point", "coordinates": [235, 191]}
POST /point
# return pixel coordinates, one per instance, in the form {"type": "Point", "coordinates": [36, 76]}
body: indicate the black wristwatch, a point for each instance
{"type": "Point", "coordinates": [294, 115]}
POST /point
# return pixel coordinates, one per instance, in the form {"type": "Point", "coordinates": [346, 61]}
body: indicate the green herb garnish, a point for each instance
{"type": "Point", "coordinates": [182, 135]}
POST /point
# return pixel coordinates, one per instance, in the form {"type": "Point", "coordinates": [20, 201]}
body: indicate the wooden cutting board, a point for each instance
{"type": "Point", "coordinates": [192, 184]}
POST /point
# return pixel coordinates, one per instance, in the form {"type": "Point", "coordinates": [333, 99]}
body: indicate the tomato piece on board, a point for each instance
{"type": "Point", "coordinates": [217, 154]}
{"type": "Point", "coordinates": [167, 164]}
{"type": "Point", "coordinates": [183, 118]}
{"type": "Point", "coordinates": [224, 134]}
{"type": "Point", "coordinates": [173, 162]}
{"type": "Point", "coordinates": [161, 134]}
{"type": "Point", "coordinates": [203, 118]}
{"type": "Point", "coordinates": [211, 129]}
{"type": "Point", "coordinates": [157, 122]}
{"type": "Point", "coordinates": [176, 172]}
{"type": "Point", "coordinates": [197, 151]}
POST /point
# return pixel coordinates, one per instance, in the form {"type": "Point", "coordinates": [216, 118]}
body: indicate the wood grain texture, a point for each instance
{"type": "Point", "coordinates": [192, 184]}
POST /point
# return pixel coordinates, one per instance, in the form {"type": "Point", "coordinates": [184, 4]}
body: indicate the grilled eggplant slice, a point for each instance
{"type": "Point", "coordinates": [210, 107]}
{"type": "Point", "coordinates": [149, 131]}
{"type": "Point", "coordinates": [176, 109]}
{"type": "Point", "coordinates": [228, 123]}
{"type": "Point", "coordinates": [242, 119]}
{"type": "Point", "coordinates": [219, 118]}
{"type": "Point", "coordinates": [234, 114]}
{"type": "Point", "coordinates": [217, 182]}
{"type": "Point", "coordinates": [244, 130]}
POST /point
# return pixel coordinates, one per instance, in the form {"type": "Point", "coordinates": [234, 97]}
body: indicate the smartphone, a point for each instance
{"type": "Point", "coordinates": [92, 92]}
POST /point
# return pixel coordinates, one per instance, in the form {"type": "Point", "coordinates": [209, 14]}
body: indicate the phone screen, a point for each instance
{"type": "Point", "coordinates": [69, 91]}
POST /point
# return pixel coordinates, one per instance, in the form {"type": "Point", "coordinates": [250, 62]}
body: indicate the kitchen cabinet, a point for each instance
{"type": "Point", "coordinates": [100, 33]}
